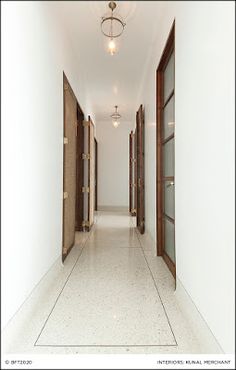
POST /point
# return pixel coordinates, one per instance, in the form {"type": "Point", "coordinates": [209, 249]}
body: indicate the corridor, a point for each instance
{"type": "Point", "coordinates": [118, 164]}
{"type": "Point", "coordinates": [112, 296]}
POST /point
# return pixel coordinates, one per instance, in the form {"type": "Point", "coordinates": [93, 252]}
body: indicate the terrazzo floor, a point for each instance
{"type": "Point", "coordinates": [113, 295]}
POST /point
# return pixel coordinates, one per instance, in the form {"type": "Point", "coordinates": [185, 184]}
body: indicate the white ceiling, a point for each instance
{"type": "Point", "coordinates": [112, 80]}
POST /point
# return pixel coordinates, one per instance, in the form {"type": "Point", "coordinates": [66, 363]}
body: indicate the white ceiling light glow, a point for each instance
{"type": "Point", "coordinates": [115, 124]}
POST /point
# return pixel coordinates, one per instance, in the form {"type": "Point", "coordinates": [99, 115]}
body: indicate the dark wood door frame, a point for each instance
{"type": "Point", "coordinates": [96, 174]}
{"type": "Point", "coordinates": [132, 178]}
{"type": "Point", "coordinates": [91, 186]}
{"type": "Point", "coordinates": [140, 176]}
{"type": "Point", "coordinates": [169, 48]}
{"type": "Point", "coordinates": [79, 216]}
{"type": "Point", "coordinates": [130, 171]}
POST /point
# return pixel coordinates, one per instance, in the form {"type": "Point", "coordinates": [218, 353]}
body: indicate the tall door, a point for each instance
{"type": "Point", "coordinates": [79, 171]}
{"type": "Point", "coordinates": [89, 175]}
{"type": "Point", "coordinates": [69, 173]}
{"type": "Point", "coordinates": [140, 169]}
{"type": "Point", "coordinates": [132, 181]}
{"type": "Point", "coordinates": [166, 155]}
{"type": "Point", "coordinates": [96, 175]}
{"type": "Point", "coordinates": [130, 172]}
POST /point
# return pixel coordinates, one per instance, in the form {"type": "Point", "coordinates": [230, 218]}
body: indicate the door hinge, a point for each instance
{"type": "Point", "coordinates": [64, 250]}
{"type": "Point", "coordinates": [133, 210]}
{"type": "Point", "coordinates": [65, 195]}
{"type": "Point", "coordinates": [86, 123]}
{"type": "Point", "coordinates": [85, 189]}
{"type": "Point", "coordinates": [133, 160]}
{"type": "Point", "coordinates": [85, 223]}
{"type": "Point", "coordinates": [133, 185]}
{"type": "Point", "coordinates": [65, 140]}
{"type": "Point", "coordinates": [85, 156]}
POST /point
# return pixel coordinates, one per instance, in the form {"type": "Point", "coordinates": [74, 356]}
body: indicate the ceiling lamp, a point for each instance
{"type": "Point", "coordinates": [112, 27]}
{"type": "Point", "coordinates": [115, 117]}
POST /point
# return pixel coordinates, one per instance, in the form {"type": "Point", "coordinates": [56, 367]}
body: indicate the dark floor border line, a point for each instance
{"type": "Point", "coordinates": [106, 345]}
{"type": "Point", "coordinates": [155, 284]}
{"type": "Point", "coordinates": [77, 259]}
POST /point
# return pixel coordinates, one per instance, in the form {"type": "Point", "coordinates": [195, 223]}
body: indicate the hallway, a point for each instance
{"type": "Point", "coordinates": [114, 298]}
{"type": "Point", "coordinates": [118, 164]}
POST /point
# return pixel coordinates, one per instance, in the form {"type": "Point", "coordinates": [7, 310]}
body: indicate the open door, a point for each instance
{"type": "Point", "coordinates": [140, 169]}
{"type": "Point", "coordinates": [79, 171]}
{"type": "Point", "coordinates": [69, 167]}
{"type": "Point", "coordinates": [165, 182]}
{"type": "Point", "coordinates": [89, 175]}
{"type": "Point", "coordinates": [132, 178]}
{"type": "Point", "coordinates": [96, 174]}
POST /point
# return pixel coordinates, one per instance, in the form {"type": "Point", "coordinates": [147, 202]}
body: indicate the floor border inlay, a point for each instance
{"type": "Point", "coordinates": [110, 345]}
{"type": "Point", "coordinates": [67, 279]}
{"type": "Point", "coordinates": [155, 284]}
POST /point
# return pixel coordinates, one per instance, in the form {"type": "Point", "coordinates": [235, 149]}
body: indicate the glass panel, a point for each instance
{"type": "Point", "coordinates": [169, 118]}
{"type": "Point", "coordinates": [169, 152]}
{"type": "Point", "coordinates": [169, 199]}
{"type": "Point", "coordinates": [169, 241]}
{"type": "Point", "coordinates": [169, 77]}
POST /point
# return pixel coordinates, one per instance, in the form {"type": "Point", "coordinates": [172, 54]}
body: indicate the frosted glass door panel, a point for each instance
{"type": "Point", "coordinates": [168, 152]}
{"type": "Point", "coordinates": [169, 199]}
{"type": "Point", "coordinates": [169, 118]}
{"type": "Point", "coordinates": [169, 239]}
{"type": "Point", "coordinates": [169, 77]}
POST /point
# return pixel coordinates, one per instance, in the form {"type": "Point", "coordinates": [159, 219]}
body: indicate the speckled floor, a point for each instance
{"type": "Point", "coordinates": [112, 296]}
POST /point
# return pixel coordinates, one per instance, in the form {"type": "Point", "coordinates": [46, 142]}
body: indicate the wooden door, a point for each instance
{"type": "Point", "coordinates": [132, 179]}
{"type": "Point", "coordinates": [69, 167]}
{"type": "Point", "coordinates": [130, 171]}
{"type": "Point", "coordinates": [140, 170]}
{"type": "Point", "coordinates": [89, 175]}
{"type": "Point", "coordinates": [96, 174]}
{"type": "Point", "coordinates": [79, 171]}
{"type": "Point", "coordinates": [166, 155]}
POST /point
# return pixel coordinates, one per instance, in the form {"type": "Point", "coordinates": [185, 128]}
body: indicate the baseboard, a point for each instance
{"type": "Point", "coordinates": [114, 208]}
{"type": "Point", "coordinates": [198, 325]}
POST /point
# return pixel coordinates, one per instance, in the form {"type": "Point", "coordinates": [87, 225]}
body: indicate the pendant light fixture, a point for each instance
{"type": "Point", "coordinates": [112, 26]}
{"type": "Point", "coordinates": [115, 117]}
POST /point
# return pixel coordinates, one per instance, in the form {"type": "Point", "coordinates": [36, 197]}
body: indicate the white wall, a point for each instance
{"type": "Point", "coordinates": [113, 164]}
{"type": "Point", "coordinates": [204, 155]}
{"type": "Point", "coordinates": [35, 51]}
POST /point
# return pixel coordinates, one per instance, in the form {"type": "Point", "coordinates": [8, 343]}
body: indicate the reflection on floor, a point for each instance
{"type": "Point", "coordinates": [112, 296]}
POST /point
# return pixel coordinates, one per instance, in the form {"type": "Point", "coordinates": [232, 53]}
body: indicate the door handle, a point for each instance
{"type": "Point", "coordinates": [170, 184]}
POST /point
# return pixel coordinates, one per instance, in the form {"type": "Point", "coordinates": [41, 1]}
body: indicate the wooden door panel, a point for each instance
{"type": "Point", "coordinates": [165, 139]}
{"type": "Point", "coordinates": [132, 175]}
{"type": "Point", "coordinates": [140, 169]}
{"type": "Point", "coordinates": [79, 172]}
{"type": "Point", "coordinates": [130, 172]}
{"type": "Point", "coordinates": [96, 174]}
{"type": "Point", "coordinates": [69, 177]}
{"type": "Point", "coordinates": [91, 174]}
